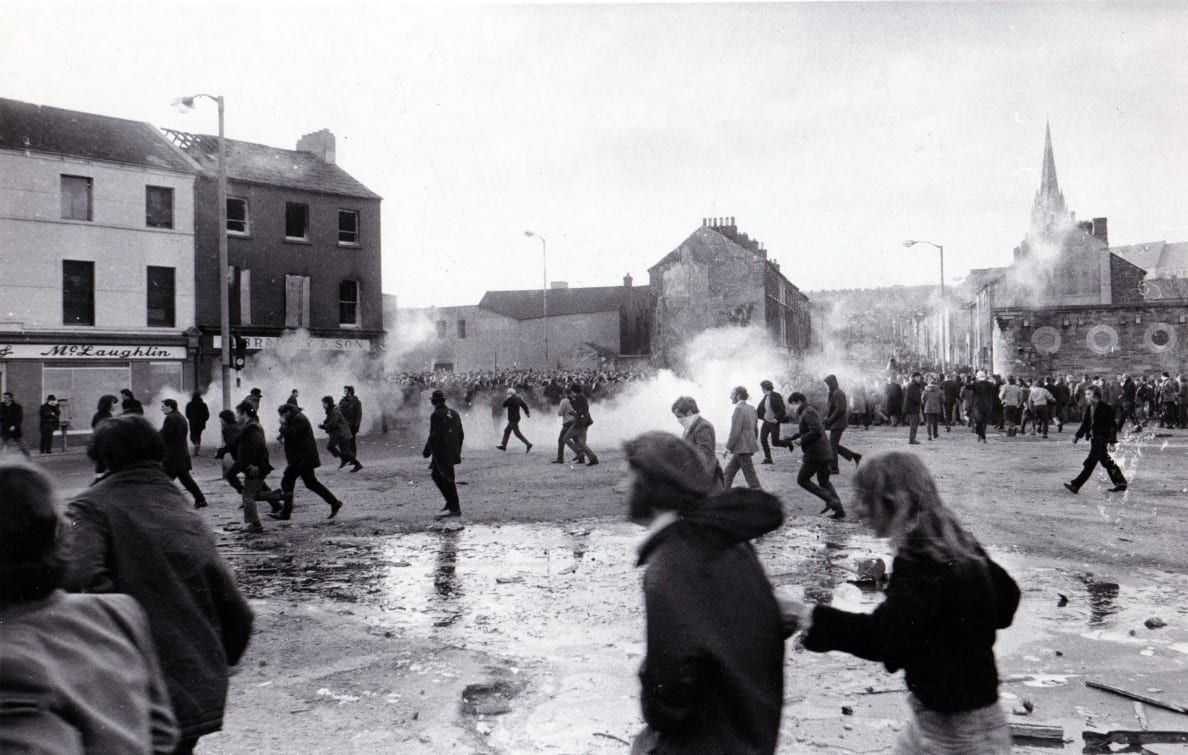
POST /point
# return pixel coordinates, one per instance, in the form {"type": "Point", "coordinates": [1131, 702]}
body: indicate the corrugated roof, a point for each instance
{"type": "Point", "coordinates": [261, 164]}
{"type": "Point", "coordinates": [528, 305]}
{"type": "Point", "coordinates": [40, 128]}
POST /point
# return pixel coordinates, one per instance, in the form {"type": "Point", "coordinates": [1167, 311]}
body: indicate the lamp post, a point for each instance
{"type": "Point", "coordinates": [944, 349]}
{"type": "Point", "coordinates": [187, 103]}
{"type": "Point", "coordinates": [544, 289]}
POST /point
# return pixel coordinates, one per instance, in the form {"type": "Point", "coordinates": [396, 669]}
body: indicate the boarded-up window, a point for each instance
{"type": "Point", "coordinates": [297, 301]}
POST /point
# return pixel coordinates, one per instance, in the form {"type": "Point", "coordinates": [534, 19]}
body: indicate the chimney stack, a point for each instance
{"type": "Point", "coordinates": [320, 144]}
{"type": "Point", "coordinates": [627, 280]}
{"type": "Point", "coordinates": [1100, 231]}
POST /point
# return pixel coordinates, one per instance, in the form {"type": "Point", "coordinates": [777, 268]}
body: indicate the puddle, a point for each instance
{"type": "Point", "coordinates": [563, 605]}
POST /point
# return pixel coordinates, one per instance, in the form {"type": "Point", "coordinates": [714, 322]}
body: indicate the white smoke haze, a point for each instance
{"type": "Point", "coordinates": [287, 366]}
{"type": "Point", "coordinates": [1029, 279]}
{"type": "Point", "coordinates": [413, 328]}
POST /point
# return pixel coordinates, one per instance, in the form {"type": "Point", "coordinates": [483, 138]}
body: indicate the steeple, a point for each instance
{"type": "Point", "coordinates": [1049, 216]}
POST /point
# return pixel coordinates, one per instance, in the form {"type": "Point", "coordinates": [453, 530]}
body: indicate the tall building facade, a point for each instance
{"type": "Point", "coordinates": [97, 286]}
{"type": "Point", "coordinates": [303, 246]}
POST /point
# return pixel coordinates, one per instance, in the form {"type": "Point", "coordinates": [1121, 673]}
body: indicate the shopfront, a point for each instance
{"type": "Point", "coordinates": [79, 373]}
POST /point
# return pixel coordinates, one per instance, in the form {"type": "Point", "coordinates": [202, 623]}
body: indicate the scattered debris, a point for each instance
{"type": "Point", "coordinates": [1140, 698]}
{"type": "Point", "coordinates": [1063, 600]}
{"type": "Point", "coordinates": [1028, 705]}
{"type": "Point", "coordinates": [489, 699]}
{"type": "Point", "coordinates": [847, 710]}
{"type": "Point", "coordinates": [611, 736]}
{"type": "Point", "coordinates": [1037, 732]}
{"type": "Point", "coordinates": [1154, 623]}
{"type": "Point", "coordinates": [1141, 715]}
{"type": "Point", "coordinates": [1096, 741]}
{"type": "Point", "coordinates": [508, 580]}
{"type": "Point", "coordinates": [872, 570]}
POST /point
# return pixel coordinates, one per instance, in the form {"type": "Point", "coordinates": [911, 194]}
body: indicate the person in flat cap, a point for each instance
{"type": "Point", "coordinates": [713, 676]}
{"type": "Point", "coordinates": [444, 451]}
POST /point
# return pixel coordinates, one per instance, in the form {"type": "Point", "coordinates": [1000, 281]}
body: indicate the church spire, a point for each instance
{"type": "Point", "coordinates": [1049, 216]}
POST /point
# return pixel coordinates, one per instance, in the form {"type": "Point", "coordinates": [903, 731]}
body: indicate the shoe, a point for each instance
{"type": "Point", "coordinates": [857, 459]}
{"type": "Point", "coordinates": [579, 460]}
{"type": "Point", "coordinates": [343, 464]}
{"type": "Point", "coordinates": [557, 461]}
{"type": "Point", "coordinates": [254, 528]}
{"type": "Point", "coordinates": [592, 462]}
{"type": "Point", "coordinates": [838, 513]}
{"type": "Point", "coordinates": [529, 448]}
{"type": "Point", "coordinates": [282, 516]}
{"type": "Point", "coordinates": [828, 507]}
{"type": "Point", "coordinates": [502, 448]}
{"type": "Point", "coordinates": [357, 467]}
{"type": "Point", "coordinates": [1071, 488]}
{"type": "Point", "coordinates": [767, 461]}
{"type": "Point", "coordinates": [913, 442]}
{"type": "Point", "coordinates": [200, 504]}
{"type": "Point", "coordinates": [334, 509]}
{"type": "Point", "coordinates": [447, 514]}
{"type": "Point", "coordinates": [1118, 489]}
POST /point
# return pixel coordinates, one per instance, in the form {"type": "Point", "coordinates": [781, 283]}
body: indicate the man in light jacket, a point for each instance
{"type": "Point", "coordinates": [743, 441]}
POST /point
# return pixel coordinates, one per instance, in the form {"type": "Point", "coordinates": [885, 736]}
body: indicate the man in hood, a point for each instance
{"type": "Point", "coordinates": [713, 676]}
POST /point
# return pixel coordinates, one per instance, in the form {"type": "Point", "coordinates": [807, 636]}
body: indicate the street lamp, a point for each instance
{"type": "Point", "coordinates": [944, 304]}
{"type": "Point", "coordinates": [186, 104]}
{"type": "Point", "coordinates": [544, 289]}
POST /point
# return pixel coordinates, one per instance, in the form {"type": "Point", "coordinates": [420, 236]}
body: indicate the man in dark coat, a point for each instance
{"type": "Point", "coordinates": [444, 451]}
{"type": "Point", "coordinates": [713, 676]}
{"type": "Point", "coordinates": [836, 421]}
{"type": "Point", "coordinates": [818, 454]}
{"type": "Point", "coordinates": [176, 461]}
{"type": "Point", "coordinates": [893, 396]}
{"type": "Point", "coordinates": [48, 422]}
{"type": "Point", "coordinates": [131, 532]}
{"type": "Point", "coordinates": [581, 423]}
{"type": "Point", "coordinates": [197, 414]}
{"type": "Point", "coordinates": [352, 409]}
{"type": "Point", "coordinates": [301, 459]}
{"type": "Point", "coordinates": [950, 395]}
{"type": "Point", "coordinates": [251, 456]}
{"type": "Point", "coordinates": [985, 394]}
{"type": "Point", "coordinates": [11, 418]}
{"type": "Point", "coordinates": [514, 405]}
{"type": "Point", "coordinates": [913, 404]}
{"type": "Point", "coordinates": [771, 412]}
{"type": "Point", "coordinates": [339, 430]}
{"type": "Point", "coordinates": [1101, 429]}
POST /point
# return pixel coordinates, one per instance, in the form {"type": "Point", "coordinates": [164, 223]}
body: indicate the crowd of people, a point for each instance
{"type": "Point", "coordinates": [159, 683]}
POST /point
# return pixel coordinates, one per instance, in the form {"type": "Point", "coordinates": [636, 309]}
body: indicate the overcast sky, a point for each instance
{"type": "Point", "coordinates": [830, 131]}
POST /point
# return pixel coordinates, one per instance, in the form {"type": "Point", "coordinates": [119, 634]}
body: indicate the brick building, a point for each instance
{"type": "Point", "coordinates": [303, 241]}
{"type": "Point", "coordinates": [1069, 303]}
{"type": "Point", "coordinates": [718, 277]}
{"type": "Point", "coordinates": [96, 260]}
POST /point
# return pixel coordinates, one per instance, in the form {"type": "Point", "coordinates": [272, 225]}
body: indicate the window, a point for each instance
{"type": "Point", "coordinates": [441, 328]}
{"type": "Point", "coordinates": [296, 301]}
{"type": "Point", "coordinates": [348, 228]}
{"type": "Point", "coordinates": [237, 215]}
{"type": "Point", "coordinates": [76, 198]}
{"type": "Point", "coordinates": [78, 292]}
{"type": "Point", "coordinates": [348, 303]}
{"type": "Point", "coordinates": [160, 297]}
{"type": "Point", "coordinates": [158, 207]}
{"type": "Point", "coordinates": [461, 328]}
{"type": "Point", "coordinates": [296, 221]}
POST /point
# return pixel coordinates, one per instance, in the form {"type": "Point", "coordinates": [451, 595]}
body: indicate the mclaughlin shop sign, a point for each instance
{"type": "Point", "coordinates": [89, 351]}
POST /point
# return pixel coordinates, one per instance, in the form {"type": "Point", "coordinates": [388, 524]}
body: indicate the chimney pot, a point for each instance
{"type": "Point", "coordinates": [320, 144]}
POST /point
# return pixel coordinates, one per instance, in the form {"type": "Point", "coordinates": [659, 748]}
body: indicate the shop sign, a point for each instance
{"type": "Point", "coordinates": [299, 343]}
{"type": "Point", "coordinates": [89, 351]}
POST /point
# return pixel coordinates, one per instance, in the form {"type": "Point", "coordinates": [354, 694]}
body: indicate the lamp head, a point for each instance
{"type": "Point", "coordinates": [529, 233]}
{"type": "Point", "coordinates": [909, 242]}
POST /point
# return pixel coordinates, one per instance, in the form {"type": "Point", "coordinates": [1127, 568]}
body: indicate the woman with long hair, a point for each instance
{"type": "Point", "coordinates": [945, 601]}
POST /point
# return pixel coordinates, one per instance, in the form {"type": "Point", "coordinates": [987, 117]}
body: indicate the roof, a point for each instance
{"type": "Point", "coordinates": [704, 242]}
{"type": "Point", "coordinates": [69, 133]}
{"type": "Point", "coordinates": [528, 305]}
{"type": "Point", "coordinates": [1159, 258]}
{"type": "Point", "coordinates": [261, 164]}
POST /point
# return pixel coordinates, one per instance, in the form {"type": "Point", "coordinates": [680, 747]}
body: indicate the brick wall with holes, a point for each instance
{"type": "Point", "coordinates": [1100, 340]}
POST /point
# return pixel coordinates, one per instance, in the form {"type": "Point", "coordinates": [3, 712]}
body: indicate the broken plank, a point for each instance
{"type": "Point", "coordinates": [1136, 696]}
{"type": "Point", "coordinates": [1098, 740]}
{"type": "Point", "coordinates": [1045, 732]}
{"type": "Point", "coordinates": [1141, 715]}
